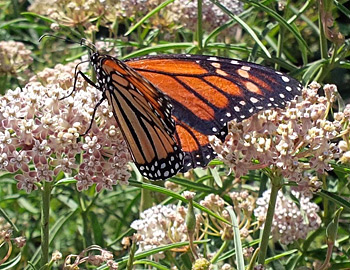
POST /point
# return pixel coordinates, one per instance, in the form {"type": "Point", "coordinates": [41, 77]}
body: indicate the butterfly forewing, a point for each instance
{"type": "Point", "coordinates": [207, 92]}
{"type": "Point", "coordinates": [143, 114]}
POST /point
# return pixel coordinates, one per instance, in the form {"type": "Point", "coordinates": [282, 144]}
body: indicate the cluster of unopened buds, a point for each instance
{"type": "Point", "coordinates": [14, 57]}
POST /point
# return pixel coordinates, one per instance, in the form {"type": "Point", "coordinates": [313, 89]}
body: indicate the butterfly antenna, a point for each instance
{"type": "Point", "coordinates": [83, 41]}
{"type": "Point", "coordinates": [88, 44]}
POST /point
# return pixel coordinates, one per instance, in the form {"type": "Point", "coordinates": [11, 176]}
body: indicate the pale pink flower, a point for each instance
{"type": "Point", "coordinates": [37, 128]}
{"type": "Point", "coordinates": [279, 138]}
{"type": "Point", "coordinates": [291, 221]}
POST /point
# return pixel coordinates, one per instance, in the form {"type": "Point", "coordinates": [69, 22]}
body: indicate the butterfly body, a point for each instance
{"type": "Point", "coordinates": [167, 105]}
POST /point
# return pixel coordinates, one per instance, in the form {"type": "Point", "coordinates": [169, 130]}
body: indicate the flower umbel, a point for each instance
{"type": "Point", "coordinates": [14, 57]}
{"type": "Point", "coordinates": [161, 225]}
{"type": "Point", "coordinates": [290, 222]}
{"type": "Point", "coordinates": [39, 129]}
{"type": "Point", "coordinates": [292, 140]}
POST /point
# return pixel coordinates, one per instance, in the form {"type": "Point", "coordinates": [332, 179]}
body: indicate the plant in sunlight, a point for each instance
{"type": "Point", "coordinates": [275, 196]}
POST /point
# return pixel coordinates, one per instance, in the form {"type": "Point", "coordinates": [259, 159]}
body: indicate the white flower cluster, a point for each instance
{"type": "Point", "coordinates": [161, 225]}
{"type": "Point", "coordinates": [290, 222]}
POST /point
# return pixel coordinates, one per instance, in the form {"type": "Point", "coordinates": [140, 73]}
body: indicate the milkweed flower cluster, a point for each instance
{"type": "Point", "coordinates": [14, 57]}
{"type": "Point", "coordinates": [293, 140]}
{"type": "Point", "coordinates": [344, 144]}
{"type": "Point", "coordinates": [173, 16]}
{"type": "Point", "coordinates": [39, 129]}
{"type": "Point", "coordinates": [290, 222]}
{"type": "Point", "coordinates": [78, 12]}
{"type": "Point", "coordinates": [212, 15]}
{"type": "Point", "coordinates": [160, 225]}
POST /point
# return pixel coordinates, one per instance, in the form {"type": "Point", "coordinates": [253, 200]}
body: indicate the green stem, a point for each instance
{"type": "Point", "coordinates": [45, 218]}
{"type": "Point", "coordinates": [323, 40]}
{"type": "Point", "coordinates": [220, 251]}
{"type": "Point", "coordinates": [253, 259]}
{"type": "Point", "coordinates": [146, 198]}
{"type": "Point", "coordinates": [87, 241]}
{"type": "Point", "coordinates": [15, 8]}
{"type": "Point", "coordinates": [3, 83]}
{"type": "Point", "coordinates": [276, 185]}
{"type": "Point", "coordinates": [326, 216]}
{"type": "Point", "coordinates": [199, 27]}
{"type": "Point", "coordinates": [279, 45]}
{"type": "Point", "coordinates": [130, 263]}
{"type": "Point", "coordinates": [325, 264]}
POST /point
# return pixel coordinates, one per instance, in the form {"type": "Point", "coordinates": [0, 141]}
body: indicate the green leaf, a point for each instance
{"type": "Point", "coordinates": [148, 15]}
{"type": "Point", "coordinates": [334, 198]}
{"type": "Point", "coordinates": [97, 229]}
{"type": "Point", "coordinates": [35, 15]}
{"type": "Point", "coordinates": [279, 256]}
{"type": "Point", "coordinates": [342, 8]}
{"type": "Point", "coordinates": [28, 205]}
{"type": "Point", "coordinates": [232, 252]}
{"type": "Point", "coordinates": [65, 181]}
{"type": "Point", "coordinates": [176, 196]}
{"type": "Point", "coordinates": [216, 176]}
{"type": "Point", "coordinates": [159, 49]}
{"type": "Point", "coordinates": [237, 240]}
{"type": "Point", "coordinates": [151, 263]}
{"type": "Point", "coordinates": [71, 203]}
{"type": "Point", "coordinates": [244, 25]}
{"type": "Point", "coordinates": [8, 219]}
{"type": "Point", "coordinates": [311, 71]}
{"type": "Point", "coordinates": [198, 187]}
{"type": "Point", "coordinates": [8, 23]}
{"type": "Point", "coordinates": [150, 252]}
{"type": "Point", "coordinates": [289, 26]}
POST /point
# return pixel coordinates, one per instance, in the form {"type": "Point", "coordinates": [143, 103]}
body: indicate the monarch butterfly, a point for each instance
{"type": "Point", "coordinates": [167, 105]}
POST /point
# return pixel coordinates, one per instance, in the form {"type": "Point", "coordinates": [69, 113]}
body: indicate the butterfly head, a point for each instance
{"type": "Point", "coordinates": [94, 59]}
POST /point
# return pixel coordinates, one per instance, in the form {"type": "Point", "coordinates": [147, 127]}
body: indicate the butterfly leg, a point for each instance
{"type": "Point", "coordinates": [86, 78]}
{"type": "Point", "coordinates": [93, 114]}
